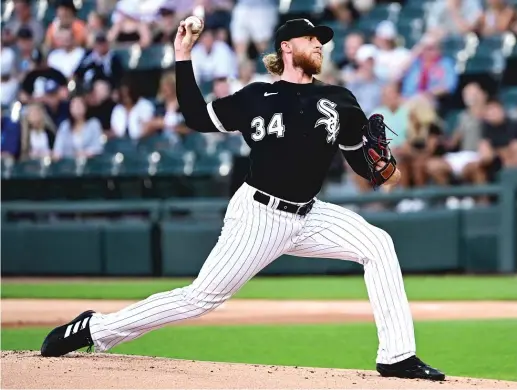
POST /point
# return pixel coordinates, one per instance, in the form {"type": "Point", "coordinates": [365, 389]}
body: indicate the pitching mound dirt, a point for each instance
{"type": "Point", "coordinates": [26, 369]}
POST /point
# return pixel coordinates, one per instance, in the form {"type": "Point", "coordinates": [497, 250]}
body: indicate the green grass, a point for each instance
{"type": "Point", "coordinates": [483, 349]}
{"type": "Point", "coordinates": [331, 287]}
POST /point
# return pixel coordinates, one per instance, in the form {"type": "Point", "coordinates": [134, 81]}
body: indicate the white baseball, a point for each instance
{"type": "Point", "coordinates": [195, 23]}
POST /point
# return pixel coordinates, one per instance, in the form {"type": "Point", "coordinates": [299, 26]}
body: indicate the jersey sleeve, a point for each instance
{"type": "Point", "coordinates": [350, 137]}
{"type": "Point", "coordinates": [229, 113]}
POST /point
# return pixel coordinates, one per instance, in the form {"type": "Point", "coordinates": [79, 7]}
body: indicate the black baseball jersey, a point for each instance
{"type": "Point", "coordinates": [293, 130]}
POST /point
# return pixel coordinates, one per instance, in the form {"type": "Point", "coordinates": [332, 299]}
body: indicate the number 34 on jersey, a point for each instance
{"type": "Point", "coordinates": [276, 125]}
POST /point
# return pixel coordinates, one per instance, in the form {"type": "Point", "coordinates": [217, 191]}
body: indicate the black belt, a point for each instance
{"type": "Point", "coordinates": [284, 206]}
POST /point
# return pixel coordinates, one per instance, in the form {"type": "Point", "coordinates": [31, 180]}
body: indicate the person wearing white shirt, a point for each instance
{"type": "Point", "coordinates": [248, 75]}
{"type": "Point", "coordinates": [67, 57]}
{"type": "Point", "coordinates": [9, 87]}
{"type": "Point", "coordinates": [211, 58]}
{"type": "Point", "coordinates": [130, 116]}
{"type": "Point", "coordinates": [389, 57]}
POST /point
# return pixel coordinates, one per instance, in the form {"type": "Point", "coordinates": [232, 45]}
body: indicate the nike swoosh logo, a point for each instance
{"type": "Point", "coordinates": [270, 93]}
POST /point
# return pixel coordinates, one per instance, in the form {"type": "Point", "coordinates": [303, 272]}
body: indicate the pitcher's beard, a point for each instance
{"type": "Point", "coordinates": [307, 63]}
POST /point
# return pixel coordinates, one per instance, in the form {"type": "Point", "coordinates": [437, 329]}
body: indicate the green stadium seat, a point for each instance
{"type": "Point", "coordinates": [154, 143]}
{"type": "Point", "coordinates": [383, 12]}
{"type": "Point", "coordinates": [212, 165]}
{"type": "Point", "coordinates": [481, 64]}
{"type": "Point", "coordinates": [172, 163]}
{"type": "Point", "coordinates": [120, 145]}
{"type": "Point", "coordinates": [509, 96]}
{"type": "Point", "coordinates": [195, 142]}
{"type": "Point", "coordinates": [99, 166]}
{"type": "Point", "coordinates": [66, 167]}
{"type": "Point", "coordinates": [30, 169]}
{"type": "Point", "coordinates": [233, 144]}
{"type": "Point", "coordinates": [412, 11]}
{"type": "Point", "coordinates": [301, 6]}
{"type": "Point", "coordinates": [132, 164]}
{"type": "Point", "coordinates": [451, 121]}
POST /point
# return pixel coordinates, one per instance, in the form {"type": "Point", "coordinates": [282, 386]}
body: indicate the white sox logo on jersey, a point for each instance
{"type": "Point", "coordinates": [330, 120]}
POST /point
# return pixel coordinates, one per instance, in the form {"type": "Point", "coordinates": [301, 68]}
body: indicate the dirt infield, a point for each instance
{"type": "Point", "coordinates": [28, 370]}
{"type": "Point", "coordinates": [48, 312]}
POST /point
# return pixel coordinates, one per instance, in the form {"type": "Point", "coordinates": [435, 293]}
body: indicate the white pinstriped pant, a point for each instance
{"type": "Point", "coordinates": [253, 236]}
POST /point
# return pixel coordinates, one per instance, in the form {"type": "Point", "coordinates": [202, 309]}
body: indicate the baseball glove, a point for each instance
{"type": "Point", "coordinates": [376, 148]}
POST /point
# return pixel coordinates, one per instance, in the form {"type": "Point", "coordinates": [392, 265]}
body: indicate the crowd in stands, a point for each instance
{"type": "Point", "coordinates": [66, 91]}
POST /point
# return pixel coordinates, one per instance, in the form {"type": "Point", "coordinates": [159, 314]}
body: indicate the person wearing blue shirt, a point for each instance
{"type": "Point", "coordinates": [10, 137]}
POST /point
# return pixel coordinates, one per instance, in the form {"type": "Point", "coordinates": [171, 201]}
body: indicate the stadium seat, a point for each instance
{"type": "Point", "coordinates": [99, 166]}
{"type": "Point", "coordinates": [195, 142]}
{"type": "Point", "coordinates": [171, 163]}
{"type": "Point", "coordinates": [120, 145]}
{"type": "Point", "coordinates": [155, 142]}
{"type": "Point", "coordinates": [212, 165]}
{"type": "Point", "coordinates": [451, 121]}
{"type": "Point", "coordinates": [66, 167]}
{"type": "Point", "coordinates": [383, 12]}
{"type": "Point", "coordinates": [131, 164]}
{"type": "Point", "coordinates": [412, 11]}
{"type": "Point", "coordinates": [6, 169]}
{"type": "Point", "coordinates": [30, 169]}
{"type": "Point", "coordinates": [509, 95]}
{"type": "Point", "coordinates": [478, 64]}
{"type": "Point", "coordinates": [234, 144]}
{"type": "Point", "coordinates": [296, 6]}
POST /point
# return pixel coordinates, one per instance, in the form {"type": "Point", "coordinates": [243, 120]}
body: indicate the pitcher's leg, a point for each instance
{"type": "Point", "coordinates": [244, 248]}
{"type": "Point", "coordinates": [335, 232]}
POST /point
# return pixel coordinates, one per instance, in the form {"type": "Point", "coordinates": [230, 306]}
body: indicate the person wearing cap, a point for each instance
{"type": "Point", "coordinates": [100, 63]}
{"type": "Point", "coordinates": [33, 85]}
{"type": "Point", "coordinates": [57, 108]}
{"type": "Point", "coordinates": [294, 128]}
{"type": "Point", "coordinates": [365, 85]}
{"type": "Point", "coordinates": [388, 56]}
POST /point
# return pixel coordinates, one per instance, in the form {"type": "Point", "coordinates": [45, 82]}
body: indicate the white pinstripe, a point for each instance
{"type": "Point", "coordinates": [253, 236]}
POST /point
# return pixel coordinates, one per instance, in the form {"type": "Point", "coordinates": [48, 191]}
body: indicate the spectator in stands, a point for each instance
{"type": "Point", "coordinates": [38, 133]}
{"type": "Point", "coordinates": [26, 52]}
{"type": "Point", "coordinates": [130, 115]}
{"type": "Point", "coordinates": [100, 104]}
{"type": "Point", "coordinates": [497, 18]}
{"type": "Point", "coordinates": [343, 11]}
{"type": "Point", "coordinates": [67, 56]}
{"type": "Point", "coordinates": [128, 29]}
{"type": "Point", "coordinates": [388, 56]}
{"type": "Point", "coordinates": [218, 13]}
{"type": "Point", "coordinates": [396, 116]}
{"type": "Point", "coordinates": [33, 85]}
{"type": "Point", "coordinates": [9, 87]}
{"type": "Point", "coordinates": [422, 142]}
{"type": "Point", "coordinates": [348, 66]}
{"type": "Point", "coordinates": [57, 109]}
{"type": "Point", "coordinates": [11, 133]}
{"type": "Point", "coordinates": [96, 24]}
{"type": "Point", "coordinates": [166, 26]}
{"type": "Point", "coordinates": [430, 74]}
{"type": "Point", "coordinates": [247, 75]}
{"type": "Point", "coordinates": [462, 159]}
{"type": "Point", "coordinates": [100, 63]}
{"type": "Point", "coordinates": [365, 85]}
{"type": "Point", "coordinates": [66, 17]}
{"type": "Point", "coordinates": [78, 136]}
{"type": "Point", "coordinates": [211, 57]}
{"type": "Point", "coordinates": [167, 116]}
{"type": "Point", "coordinates": [23, 19]}
{"type": "Point", "coordinates": [453, 17]}
{"type": "Point", "coordinates": [498, 147]}
{"type": "Point", "coordinates": [255, 21]}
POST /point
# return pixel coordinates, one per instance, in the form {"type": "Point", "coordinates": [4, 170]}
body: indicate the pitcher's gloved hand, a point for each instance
{"type": "Point", "coordinates": [382, 164]}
